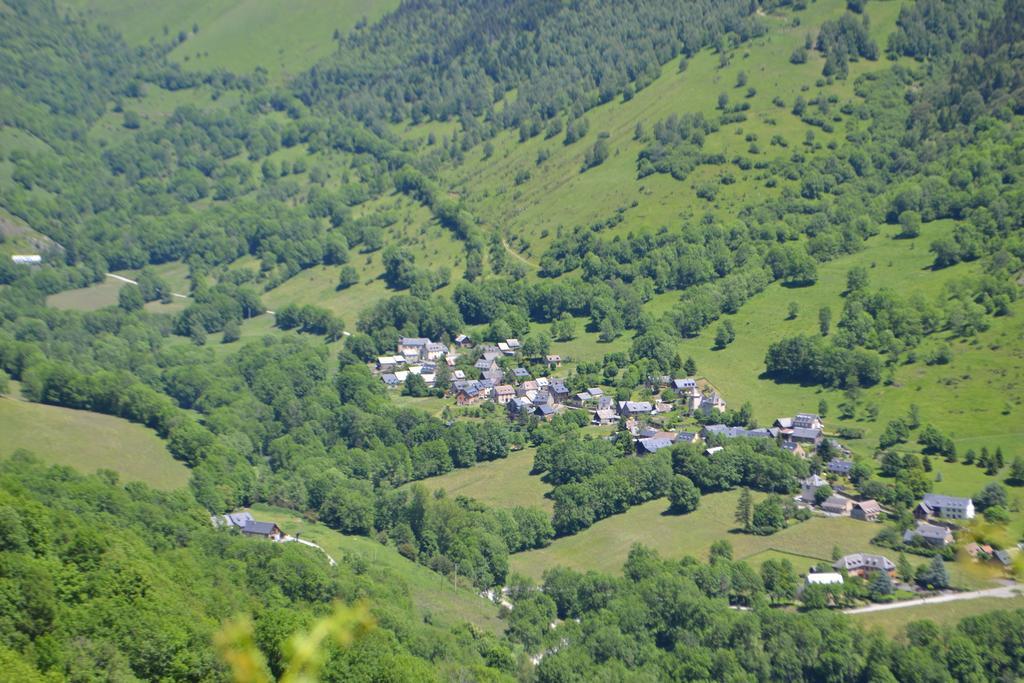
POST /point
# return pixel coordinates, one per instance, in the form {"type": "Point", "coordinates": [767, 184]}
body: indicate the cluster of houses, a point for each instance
{"type": "Point", "coordinates": [414, 356]}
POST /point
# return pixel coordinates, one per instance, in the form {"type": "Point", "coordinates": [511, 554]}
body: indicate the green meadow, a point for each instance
{"type": "Point", "coordinates": [499, 483]}
{"type": "Point", "coordinates": [88, 442]}
{"type": "Point", "coordinates": [605, 545]}
{"type": "Point", "coordinates": [434, 596]}
{"type": "Point", "coordinates": [894, 621]}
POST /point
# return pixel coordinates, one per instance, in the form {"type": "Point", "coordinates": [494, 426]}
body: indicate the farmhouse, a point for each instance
{"type": "Point", "coordinates": [866, 510]}
{"type": "Point", "coordinates": [931, 533]}
{"type": "Point", "coordinates": [268, 530]}
{"type": "Point", "coordinates": [862, 564]}
{"type": "Point", "coordinates": [464, 341]}
{"type": "Point", "coordinates": [559, 390]}
{"type": "Point", "coordinates": [390, 379]}
{"type": "Point", "coordinates": [837, 505]}
{"type": "Point", "coordinates": [605, 416]}
{"type": "Point", "coordinates": [244, 522]}
{"type": "Point", "coordinates": [950, 507]}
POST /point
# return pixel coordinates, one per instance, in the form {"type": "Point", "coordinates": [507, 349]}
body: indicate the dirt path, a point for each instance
{"type": "Point", "coordinates": [133, 282]}
{"type": "Point", "coordinates": [517, 255]}
{"type": "Point", "coordinates": [1011, 590]}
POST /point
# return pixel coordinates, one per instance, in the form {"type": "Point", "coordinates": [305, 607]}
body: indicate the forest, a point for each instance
{"type": "Point", "coordinates": [269, 181]}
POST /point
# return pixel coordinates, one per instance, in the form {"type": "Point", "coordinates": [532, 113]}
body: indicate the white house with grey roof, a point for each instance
{"type": "Point", "coordinates": [949, 507]}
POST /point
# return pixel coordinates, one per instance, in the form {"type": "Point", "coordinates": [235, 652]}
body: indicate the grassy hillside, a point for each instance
{"type": "Point", "coordinates": [434, 596]}
{"type": "Point", "coordinates": [88, 442]}
{"type": "Point", "coordinates": [557, 194]}
{"type": "Point", "coordinates": [238, 35]}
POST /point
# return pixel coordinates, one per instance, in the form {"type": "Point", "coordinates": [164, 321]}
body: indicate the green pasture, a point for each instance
{"type": "Point", "coordinates": [89, 441]}
{"type": "Point", "coordinates": [499, 483]}
{"type": "Point", "coordinates": [894, 621]}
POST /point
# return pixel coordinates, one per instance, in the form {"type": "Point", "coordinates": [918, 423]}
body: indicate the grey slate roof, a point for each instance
{"type": "Point", "coordinates": [865, 561]}
{"type": "Point", "coordinates": [840, 466]}
{"type": "Point", "coordinates": [936, 500]}
{"type": "Point", "coordinates": [653, 444]}
{"type": "Point", "coordinates": [262, 528]}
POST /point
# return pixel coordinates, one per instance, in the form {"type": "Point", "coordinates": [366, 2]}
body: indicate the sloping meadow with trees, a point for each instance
{"type": "Point", "coordinates": [250, 183]}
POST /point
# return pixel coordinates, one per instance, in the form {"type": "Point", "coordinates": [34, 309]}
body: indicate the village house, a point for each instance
{"type": "Point", "coordinates": [553, 359]}
{"type": "Point", "coordinates": [506, 349]}
{"type": "Point", "coordinates": [503, 393]}
{"type": "Point", "coordinates": [948, 507]}
{"type": "Point", "coordinates": [633, 408]}
{"type": "Point", "coordinates": [604, 416]}
{"type": "Point", "coordinates": [811, 437]}
{"type": "Point", "coordinates": [389, 363]}
{"type": "Point", "coordinates": [518, 406]}
{"type": "Point", "coordinates": [435, 350]}
{"type": "Point", "coordinates": [866, 510]}
{"type": "Point", "coordinates": [863, 565]}
{"type": "Point", "coordinates": [932, 533]}
{"type": "Point", "coordinates": [520, 374]}
{"type": "Point", "coordinates": [390, 380]}
{"type": "Point", "coordinates": [545, 412]}
{"type": "Point", "coordinates": [840, 467]}
{"type": "Point", "coordinates": [559, 391]}
{"type": "Point", "coordinates": [810, 486]}
{"type": "Point", "coordinates": [463, 341]}
{"type": "Point", "coordinates": [458, 374]}
{"type": "Point", "coordinates": [837, 505]}
{"type": "Point", "coordinates": [469, 393]}
{"type": "Point", "coordinates": [807, 421]}
{"type": "Point", "coordinates": [413, 347]}
{"type": "Point", "coordinates": [712, 404]}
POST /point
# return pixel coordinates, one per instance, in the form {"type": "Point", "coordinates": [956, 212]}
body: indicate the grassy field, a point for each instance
{"type": "Point", "coordinates": [238, 35]}
{"type": "Point", "coordinates": [605, 545]}
{"type": "Point", "coordinates": [88, 442]}
{"type": "Point", "coordinates": [893, 622]}
{"type": "Point", "coordinates": [499, 483]}
{"type": "Point", "coordinates": [105, 293]}
{"type": "Point", "coordinates": [431, 593]}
